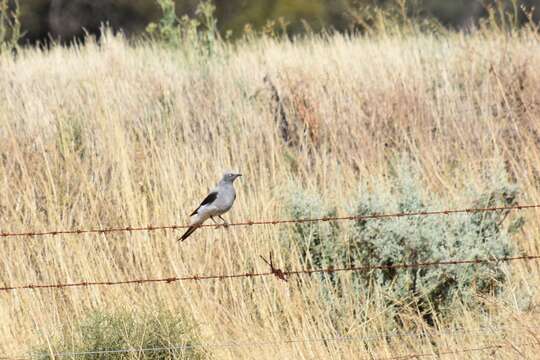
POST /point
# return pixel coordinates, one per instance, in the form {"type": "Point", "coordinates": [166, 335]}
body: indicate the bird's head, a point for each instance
{"type": "Point", "coordinates": [231, 176]}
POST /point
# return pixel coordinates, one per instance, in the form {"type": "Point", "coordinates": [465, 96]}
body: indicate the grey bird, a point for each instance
{"type": "Point", "coordinates": [217, 202]}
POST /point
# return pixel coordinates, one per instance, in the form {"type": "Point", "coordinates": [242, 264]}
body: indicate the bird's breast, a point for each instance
{"type": "Point", "coordinates": [225, 200]}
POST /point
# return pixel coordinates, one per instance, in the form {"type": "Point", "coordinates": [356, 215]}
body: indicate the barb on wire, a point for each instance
{"type": "Point", "coordinates": [274, 272]}
{"type": "Point", "coordinates": [412, 265]}
{"type": "Point", "coordinates": [268, 222]}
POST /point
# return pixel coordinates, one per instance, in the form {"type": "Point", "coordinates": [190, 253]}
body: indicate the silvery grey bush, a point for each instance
{"type": "Point", "coordinates": [315, 241]}
{"type": "Point", "coordinates": [484, 235]}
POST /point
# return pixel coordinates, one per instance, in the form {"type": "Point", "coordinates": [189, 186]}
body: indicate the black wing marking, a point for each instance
{"type": "Point", "coordinates": [207, 200]}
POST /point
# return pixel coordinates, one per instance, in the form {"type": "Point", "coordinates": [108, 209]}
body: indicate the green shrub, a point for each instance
{"type": "Point", "coordinates": [314, 240]}
{"type": "Point", "coordinates": [481, 235]}
{"type": "Point", "coordinates": [390, 241]}
{"type": "Point", "coordinates": [113, 331]}
{"type": "Point", "coordinates": [199, 33]}
{"type": "Point", "coordinates": [394, 17]}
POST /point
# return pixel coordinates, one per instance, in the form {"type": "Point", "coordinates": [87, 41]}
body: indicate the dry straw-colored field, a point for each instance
{"type": "Point", "coordinates": [118, 134]}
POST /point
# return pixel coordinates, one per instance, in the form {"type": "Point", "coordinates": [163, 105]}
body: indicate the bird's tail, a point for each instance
{"type": "Point", "coordinates": [187, 233]}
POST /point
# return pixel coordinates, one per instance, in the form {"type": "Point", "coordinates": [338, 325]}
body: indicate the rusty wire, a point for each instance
{"type": "Point", "coordinates": [278, 273]}
{"type": "Point", "coordinates": [268, 222]}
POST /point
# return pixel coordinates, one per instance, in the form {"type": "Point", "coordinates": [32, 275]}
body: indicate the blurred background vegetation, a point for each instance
{"type": "Point", "coordinates": [66, 19]}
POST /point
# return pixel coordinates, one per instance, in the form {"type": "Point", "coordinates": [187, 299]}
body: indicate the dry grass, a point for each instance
{"type": "Point", "coordinates": [118, 134]}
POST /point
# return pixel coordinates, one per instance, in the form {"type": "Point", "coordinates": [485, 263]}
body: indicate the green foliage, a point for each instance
{"type": "Point", "coordinates": [10, 26]}
{"type": "Point", "coordinates": [504, 16]}
{"type": "Point", "coordinates": [315, 240]}
{"type": "Point", "coordinates": [434, 238]}
{"type": "Point", "coordinates": [436, 16]}
{"type": "Point", "coordinates": [199, 33]}
{"type": "Point", "coordinates": [416, 239]}
{"type": "Point", "coordinates": [109, 331]}
{"type": "Point", "coordinates": [167, 29]}
{"type": "Point", "coordinates": [235, 15]}
{"type": "Point", "coordinates": [393, 17]}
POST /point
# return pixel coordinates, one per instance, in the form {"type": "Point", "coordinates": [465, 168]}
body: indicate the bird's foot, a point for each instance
{"type": "Point", "coordinates": [225, 223]}
{"type": "Point", "coordinates": [215, 222]}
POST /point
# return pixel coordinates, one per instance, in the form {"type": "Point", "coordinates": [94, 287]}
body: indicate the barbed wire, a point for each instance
{"type": "Point", "coordinates": [278, 273]}
{"type": "Point", "coordinates": [481, 331]}
{"type": "Point", "coordinates": [269, 222]}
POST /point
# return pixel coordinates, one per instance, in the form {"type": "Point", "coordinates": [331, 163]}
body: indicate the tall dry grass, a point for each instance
{"type": "Point", "coordinates": [117, 134]}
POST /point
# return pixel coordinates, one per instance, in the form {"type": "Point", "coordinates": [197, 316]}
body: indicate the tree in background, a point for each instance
{"type": "Point", "coordinates": [69, 18]}
{"type": "Point", "coordinates": [317, 14]}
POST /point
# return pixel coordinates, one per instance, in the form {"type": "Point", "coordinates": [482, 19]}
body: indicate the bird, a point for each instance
{"type": "Point", "coordinates": [216, 203]}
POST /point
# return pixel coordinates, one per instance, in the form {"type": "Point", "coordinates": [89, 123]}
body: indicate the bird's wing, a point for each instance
{"type": "Point", "coordinates": [210, 198]}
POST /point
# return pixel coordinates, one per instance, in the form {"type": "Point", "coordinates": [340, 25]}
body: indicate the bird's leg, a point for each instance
{"type": "Point", "coordinates": [225, 223]}
{"type": "Point", "coordinates": [214, 220]}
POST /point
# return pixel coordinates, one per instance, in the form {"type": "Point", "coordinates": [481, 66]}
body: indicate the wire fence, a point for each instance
{"type": "Point", "coordinates": [274, 271]}
{"type": "Point", "coordinates": [268, 222]}
{"type": "Point", "coordinates": [281, 274]}
{"type": "Point", "coordinates": [484, 331]}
